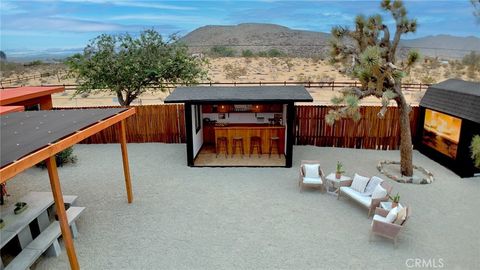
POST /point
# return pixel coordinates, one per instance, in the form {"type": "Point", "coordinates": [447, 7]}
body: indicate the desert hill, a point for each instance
{"type": "Point", "coordinates": [258, 37]}
{"type": "Point", "coordinates": [262, 37]}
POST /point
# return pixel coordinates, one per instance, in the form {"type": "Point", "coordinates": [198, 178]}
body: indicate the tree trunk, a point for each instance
{"type": "Point", "coordinates": [121, 101]}
{"type": "Point", "coordinates": [406, 162]}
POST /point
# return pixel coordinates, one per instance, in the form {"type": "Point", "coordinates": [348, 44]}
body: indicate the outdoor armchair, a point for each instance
{"type": "Point", "coordinates": [387, 229]}
{"type": "Point", "coordinates": [311, 179]}
{"type": "Point", "coordinates": [363, 199]}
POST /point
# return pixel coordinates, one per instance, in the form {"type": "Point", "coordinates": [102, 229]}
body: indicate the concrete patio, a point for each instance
{"type": "Point", "coordinates": [251, 218]}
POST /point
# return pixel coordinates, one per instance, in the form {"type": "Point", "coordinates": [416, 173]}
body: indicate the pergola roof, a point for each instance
{"type": "Point", "coordinates": [455, 97]}
{"type": "Point", "coordinates": [208, 94]}
{"type": "Point", "coordinates": [24, 132]}
{"type": "Point", "coordinates": [14, 95]}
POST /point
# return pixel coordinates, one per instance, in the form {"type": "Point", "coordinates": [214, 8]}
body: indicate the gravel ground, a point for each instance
{"type": "Point", "coordinates": [252, 218]}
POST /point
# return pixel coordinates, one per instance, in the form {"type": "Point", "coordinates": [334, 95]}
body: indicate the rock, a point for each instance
{"type": "Point", "coordinates": [416, 179]}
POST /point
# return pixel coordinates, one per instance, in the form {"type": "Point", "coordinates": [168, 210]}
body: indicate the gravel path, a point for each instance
{"type": "Point", "coordinates": [251, 218]}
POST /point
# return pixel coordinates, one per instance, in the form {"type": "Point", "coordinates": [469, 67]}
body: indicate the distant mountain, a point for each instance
{"type": "Point", "coordinates": [262, 37]}
{"type": "Point", "coordinates": [47, 55]}
{"type": "Point", "coordinates": [258, 37]}
{"type": "Point", "coordinates": [444, 46]}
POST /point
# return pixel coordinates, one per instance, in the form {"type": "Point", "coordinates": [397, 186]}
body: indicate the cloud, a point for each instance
{"type": "Point", "coordinates": [59, 24]}
{"type": "Point", "coordinates": [151, 5]}
{"type": "Point", "coordinates": [8, 8]}
{"type": "Point", "coordinates": [166, 17]}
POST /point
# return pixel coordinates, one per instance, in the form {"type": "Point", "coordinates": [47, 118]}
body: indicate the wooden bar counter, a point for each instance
{"type": "Point", "coordinates": [246, 131]}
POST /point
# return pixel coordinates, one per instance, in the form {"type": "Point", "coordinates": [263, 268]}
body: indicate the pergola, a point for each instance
{"type": "Point", "coordinates": [28, 138]}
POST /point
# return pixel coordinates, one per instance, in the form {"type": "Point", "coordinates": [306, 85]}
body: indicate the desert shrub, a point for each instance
{"type": "Point", "coordinates": [9, 68]}
{"type": "Point", "coordinates": [247, 53]}
{"type": "Point", "coordinates": [472, 60]}
{"type": "Point", "coordinates": [471, 72]}
{"type": "Point", "coordinates": [262, 54]}
{"type": "Point", "coordinates": [427, 79]}
{"type": "Point", "coordinates": [316, 59]}
{"type": "Point", "coordinates": [34, 63]}
{"type": "Point", "coordinates": [275, 53]}
{"type": "Point", "coordinates": [64, 157]}
{"type": "Point", "coordinates": [233, 72]}
{"type": "Point", "coordinates": [289, 63]}
{"type": "Point", "coordinates": [222, 51]}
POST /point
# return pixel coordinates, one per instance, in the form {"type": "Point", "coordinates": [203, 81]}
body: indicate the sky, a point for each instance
{"type": "Point", "coordinates": [56, 26]}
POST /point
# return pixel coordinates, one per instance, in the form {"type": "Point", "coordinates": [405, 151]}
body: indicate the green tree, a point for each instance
{"type": "Point", "coordinates": [369, 54]}
{"type": "Point", "coordinates": [128, 66]}
{"type": "Point", "coordinates": [3, 56]}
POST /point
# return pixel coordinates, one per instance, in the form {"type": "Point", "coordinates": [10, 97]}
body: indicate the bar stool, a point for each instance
{"type": "Point", "coordinates": [222, 144]}
{"type": "Point", "coordinates": [274, 143]}
{"type": "Point", "coordinates": [237, 141]}
{"type": "Point", "coordinates": [255, 143]}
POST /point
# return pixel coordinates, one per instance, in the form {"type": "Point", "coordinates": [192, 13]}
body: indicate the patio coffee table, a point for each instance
{"type": "Point", "coordinates": [334, 183]}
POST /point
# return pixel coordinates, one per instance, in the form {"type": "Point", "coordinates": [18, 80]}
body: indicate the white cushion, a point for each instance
{"type": "Point", "coordinates": [372, 184]}
{"type": "Point", "coordinates": [308, 180]}
{"type": "Point", "coordinates": [311, 170]}
{"type": "Point", "coordinates": [359, 183]}
{"type": "Point", "coordinates": [392, 215]}
{"type": "Point", "coordinates": [379, 192]}
{"type": "Point", "coordinates": [357, 196]}
{"type": "Point", "coordinates": [380, 218]}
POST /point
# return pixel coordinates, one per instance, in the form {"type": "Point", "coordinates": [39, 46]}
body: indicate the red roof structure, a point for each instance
{"type": "Point", "coordinates": [20, 94]}
{"type": "Point", "coordinates": [10, 109]}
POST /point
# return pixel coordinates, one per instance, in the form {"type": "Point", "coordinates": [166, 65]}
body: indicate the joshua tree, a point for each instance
{"type": "Point", "coordinates": [369, 53]}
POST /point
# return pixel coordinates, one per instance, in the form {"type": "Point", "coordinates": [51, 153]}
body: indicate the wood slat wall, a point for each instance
{"type": "Point", "coordinates": [151, 123]}
{"type": "Point", "coordinates": [166, 123]}
{"type": "Point", "coordinates": [368, 133]}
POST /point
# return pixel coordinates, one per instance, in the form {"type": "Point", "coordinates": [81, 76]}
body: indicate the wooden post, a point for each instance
{"type": "Point", "coordinates": [290, 134]}
{"type": "Point", "coordinates": [126, 168]}
{"type": "Point", "coordinates": [189, 133]}
{"type": "Point", "coordinates": [62, 215]}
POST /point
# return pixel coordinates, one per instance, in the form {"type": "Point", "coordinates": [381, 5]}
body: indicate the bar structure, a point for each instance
{"type": "Point", "coordinates": [248, 131]}
{"type": "Point", "coordinates": [239, 126]}
{"type": "Point", "coordinates": [34, 136]}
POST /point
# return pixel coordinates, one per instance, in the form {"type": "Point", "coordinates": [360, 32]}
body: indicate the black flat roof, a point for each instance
{"type": "Point", "coordinates": [25, 132]}
{"type": "Point", "coordinates": [455, 97]}
{"type": "Point", "coordinates": [208, 94]}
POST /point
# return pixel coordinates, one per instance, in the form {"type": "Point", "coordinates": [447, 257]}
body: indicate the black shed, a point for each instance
{"type": "Point", "coordinates": [449, 118]}
{"type": "Point", "coordinates": [239, 126]}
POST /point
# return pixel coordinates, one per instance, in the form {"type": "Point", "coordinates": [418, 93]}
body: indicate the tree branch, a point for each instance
{"type": "Point", "coordinates": [396, 40]}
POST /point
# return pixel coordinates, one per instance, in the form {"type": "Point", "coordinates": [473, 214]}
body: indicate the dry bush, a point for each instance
{"type": "Point", "coordinates": [234, 71]}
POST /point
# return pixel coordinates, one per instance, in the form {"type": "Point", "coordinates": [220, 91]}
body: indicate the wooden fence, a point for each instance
{"type": "Point", "coordinates": [166, 123]}
{"type": "Point", "coordinates": [326, 85]}
{"type": "Point", "coordinates": [151, 123]}
{"type": "Point", "coordinates": [370, 132]}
